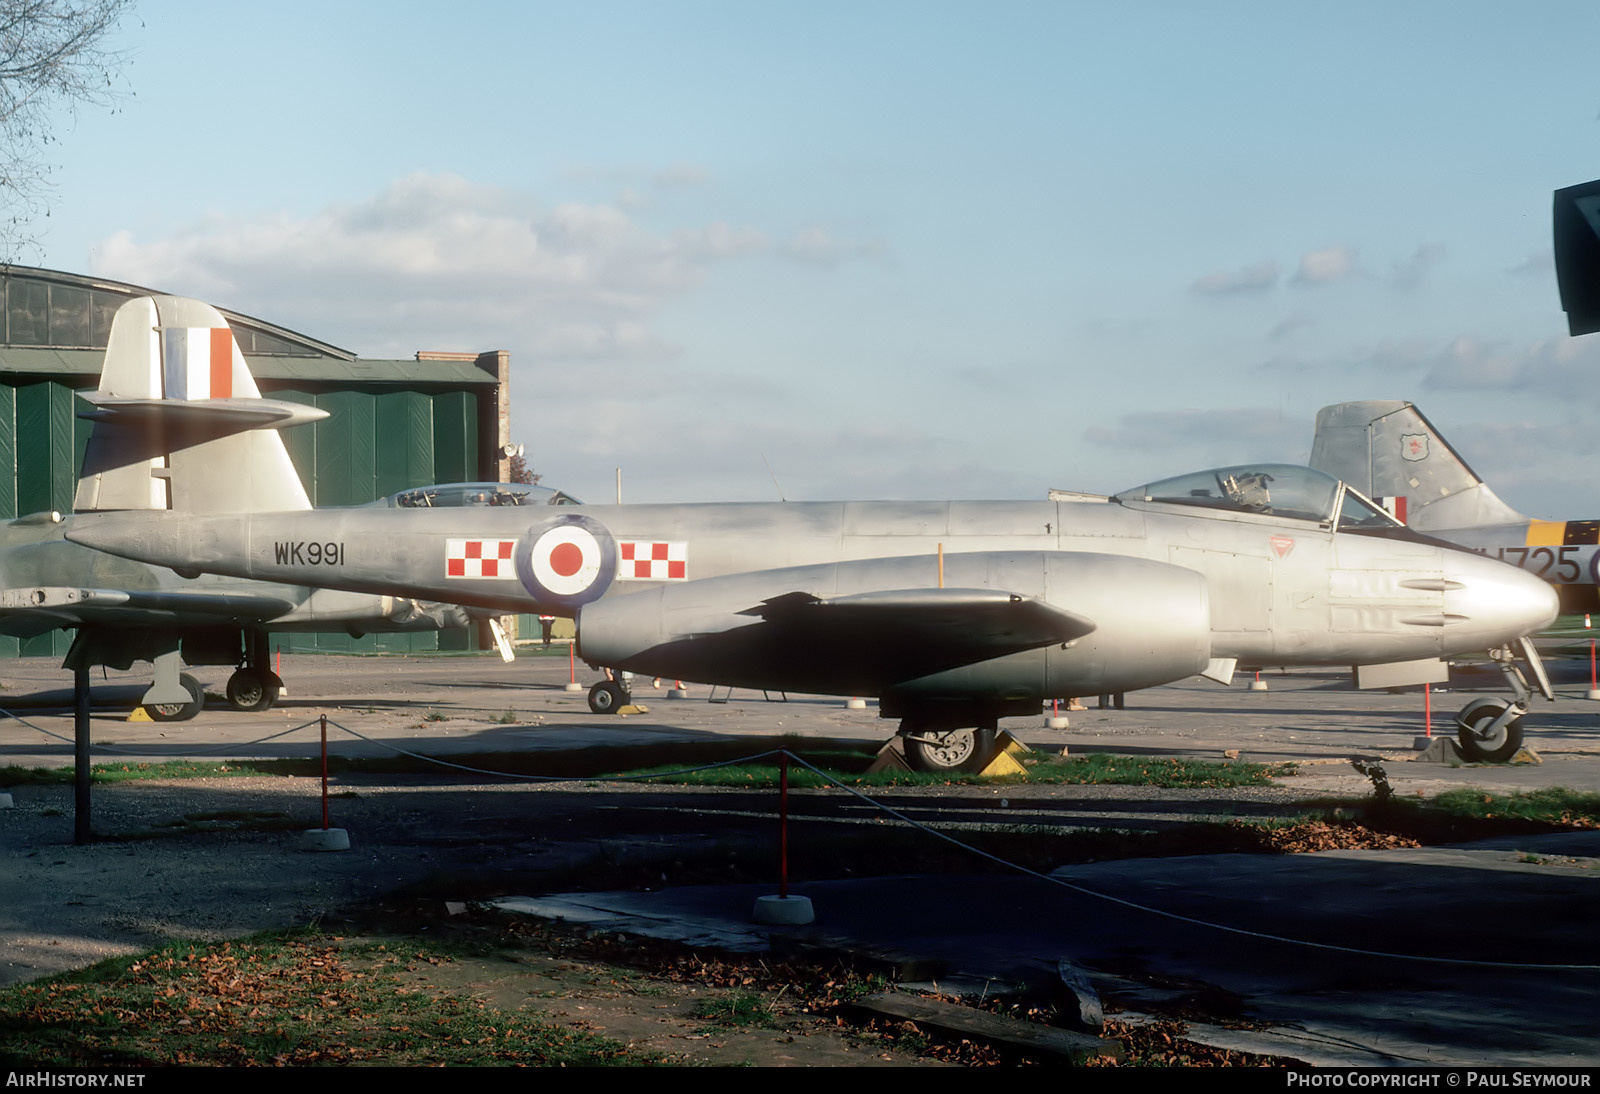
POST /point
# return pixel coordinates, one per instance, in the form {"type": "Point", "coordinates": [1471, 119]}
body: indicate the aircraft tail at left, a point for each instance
{"type": "Point", "coordinates": [180, 422]}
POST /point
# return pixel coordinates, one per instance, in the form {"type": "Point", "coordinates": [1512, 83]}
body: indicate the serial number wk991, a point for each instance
{"type": "Point", "coordinates": [301, 552]}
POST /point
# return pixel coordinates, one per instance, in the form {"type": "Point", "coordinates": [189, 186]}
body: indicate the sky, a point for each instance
{"type": "Point", "coordinates": [882, 250]}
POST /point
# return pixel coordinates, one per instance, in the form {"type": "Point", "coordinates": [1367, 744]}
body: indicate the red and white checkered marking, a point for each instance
{"type": "Point", "coordinates": [652, 560]}
{"type": "Point", "coordinates": [480, 558]}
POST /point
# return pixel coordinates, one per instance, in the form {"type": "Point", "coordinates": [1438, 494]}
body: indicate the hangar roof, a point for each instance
{"type": "Point", "coordinates": [56, 324]}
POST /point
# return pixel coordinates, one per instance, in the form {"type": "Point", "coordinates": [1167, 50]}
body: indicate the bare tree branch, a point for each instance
{"type": "Point", "coordinates": [52, 56]}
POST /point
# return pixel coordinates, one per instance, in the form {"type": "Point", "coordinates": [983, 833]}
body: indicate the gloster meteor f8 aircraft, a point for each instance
{"type": "Point", "coordinates": [1395, 454]}
{"type": "Point", "coordinates": [954, 614]}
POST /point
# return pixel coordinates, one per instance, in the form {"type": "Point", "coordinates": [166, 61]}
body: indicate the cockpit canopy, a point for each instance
{"type": "Point", "coordinates": [1282, 490]}
{"type": "Point", "coordinates": [472, 494]}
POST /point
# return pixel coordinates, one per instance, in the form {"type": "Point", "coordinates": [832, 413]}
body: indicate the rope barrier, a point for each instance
{"type": "Point", "coordinates": [919, 826]}
{"type": "Point", "coordinates": [148, 755]}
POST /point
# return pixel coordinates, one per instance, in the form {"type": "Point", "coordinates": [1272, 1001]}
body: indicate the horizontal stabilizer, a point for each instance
{"type": "Point", "coordinates": [215, 417]}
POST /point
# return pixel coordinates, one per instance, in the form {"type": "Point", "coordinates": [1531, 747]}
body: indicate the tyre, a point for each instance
{"type": "Point", "coordinates": [607, 697]}
{"type": "Point", "coordinates": [249, 691]}
{"type": "Point", "coordinates": [1479, 742]}
{"type": "Point", "coordinates": [949, 750]}
{"type": "Point", "coordinates": [180, 712]}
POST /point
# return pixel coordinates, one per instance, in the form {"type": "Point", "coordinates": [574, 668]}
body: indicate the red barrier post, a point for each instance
{"type": "Point", "coordinates": [783, 825]}
{"type": "Point", "coordinates": [324, 772]}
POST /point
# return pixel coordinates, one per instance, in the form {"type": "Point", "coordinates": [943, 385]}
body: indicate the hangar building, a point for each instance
{"type": "Point", "coordinates": [438, 417]}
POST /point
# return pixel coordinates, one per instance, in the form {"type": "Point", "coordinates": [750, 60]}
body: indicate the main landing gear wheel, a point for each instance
{"type": "Point", "coordinates": [949, 750]}
{"type": "Point", "coordinates": [180, 712]}
{"type": "Point", "coordinates": [608, 697]}
{"type": "Point", "coordinates": [1479, 741]}
{"type": "Point", "coordinates": [248, 690]}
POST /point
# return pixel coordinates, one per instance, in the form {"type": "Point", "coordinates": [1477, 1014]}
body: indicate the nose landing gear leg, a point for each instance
{"type": "Point", "coordinates": [1490, 730]}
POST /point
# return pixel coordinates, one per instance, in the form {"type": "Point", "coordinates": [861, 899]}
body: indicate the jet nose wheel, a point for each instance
{"type": "Point", "coordinates": [180, 712]}
{"type": "Point", "coordinates": [949, 750]}
{"type": "Point", "coordinates": [607, 697]}
{"type": "Point", "coordinates": [1484, 741]}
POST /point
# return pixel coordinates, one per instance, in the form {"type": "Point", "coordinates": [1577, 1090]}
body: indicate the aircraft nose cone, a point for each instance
{"type": "Point", "coordinates": [1495, 600]}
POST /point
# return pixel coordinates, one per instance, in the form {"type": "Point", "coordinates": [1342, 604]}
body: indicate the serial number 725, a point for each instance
{"type": "Point", "coordinates": [302, 552]}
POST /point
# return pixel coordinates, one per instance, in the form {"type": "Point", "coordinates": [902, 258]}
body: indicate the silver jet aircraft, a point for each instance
{"type": "Point", "coordinates": [161, 380]}
{"type": "Point", "coordinates": [953, 614]}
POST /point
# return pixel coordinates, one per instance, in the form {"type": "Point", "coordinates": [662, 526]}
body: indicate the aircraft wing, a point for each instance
{"type": "Point", "coordinates": [43, 608]}
{"type": "Point", "coordinates": [819, 637]}
{"type": "Point", "coordinates": [964, 625]}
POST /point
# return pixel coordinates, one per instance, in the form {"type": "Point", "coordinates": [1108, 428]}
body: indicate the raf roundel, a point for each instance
{"type": "Point", "coordinates": [567, 561]}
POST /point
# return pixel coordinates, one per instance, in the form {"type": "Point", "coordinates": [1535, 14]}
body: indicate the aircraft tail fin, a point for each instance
{"type": "Point", "coordinates": [179, 422]}
{"type": "Point", "coordinates": [1393, 454]}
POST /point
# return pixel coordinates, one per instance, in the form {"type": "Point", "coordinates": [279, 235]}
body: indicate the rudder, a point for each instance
{"type": "Point", "coordinates": [1393, 454]}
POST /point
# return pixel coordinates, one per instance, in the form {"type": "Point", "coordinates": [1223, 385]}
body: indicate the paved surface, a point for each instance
{"type": "Point", "coordinates": [1457, 908]}
{"type": "Point", "coordinates": [1515, 908]}
{"type": "Point", "coordinates": [439, 705]}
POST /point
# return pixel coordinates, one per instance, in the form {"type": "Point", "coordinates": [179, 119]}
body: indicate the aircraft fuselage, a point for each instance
{"type": "Point", "coordinates": [1166, 587]}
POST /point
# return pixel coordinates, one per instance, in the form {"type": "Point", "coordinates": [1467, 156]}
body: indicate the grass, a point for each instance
{"type": "Point", "coordinates": [738, 1010]}
{"type": "Point", "coordinates": [846, 765]}
{"type": "Point", "coordinates": [277, 999]}
{"type": "Point", "coordinates": [12, 775]}
{"type": "Point", "coordinates": [1554, 805]}
{"type": "Point", "coordinates": [1137, 771]}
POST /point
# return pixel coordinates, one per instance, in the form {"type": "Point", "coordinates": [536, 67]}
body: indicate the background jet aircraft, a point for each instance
{"type": "Point", "coordinates": [126, 611]}
{"type": "Point", "coordinates": [1391, 451]}
{"type": "Point", "coordinates": [954, 614]}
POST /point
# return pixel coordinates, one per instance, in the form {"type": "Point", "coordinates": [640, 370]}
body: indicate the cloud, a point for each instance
{"type": "Point", "coordinates": [1325, 267]}
{"type": "Point", "coordinates": [1409, 273]}
{"type": "Point", "coordinates": [1386, 356]}
{"type": "Point", "coordinates": [1538, 264]}
{"type": "Point", "coordinates": [817, 245]}
{"type": "Point", "coordinates": [725, 457]}
{"type": "Point", "coordinates": [438, 262]}
{"type": "Point", "coordinates": [1251, 279]}
{"type": "Point", "coordinates": [1562, 368]}
{"type": "Point", "coordinates": [1297, 322]}
{"type": "Point", "coordinates": [1213, 437]}
{"type": "Point", "coordinates": [676, 176]}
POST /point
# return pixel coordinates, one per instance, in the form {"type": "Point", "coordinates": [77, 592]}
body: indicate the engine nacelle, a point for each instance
{"type": "Point", "coordinates": [860, 628]}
